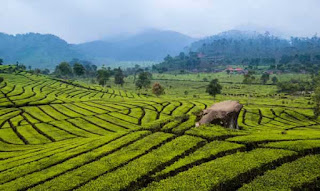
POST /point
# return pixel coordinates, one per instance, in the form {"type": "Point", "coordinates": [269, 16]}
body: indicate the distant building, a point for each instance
{"type": "Point", "coordinates": [230, 69]}
{"type": "Point", "coordinates": [200, 55]}
{"type": "Point", "coordinates": [236, 70]}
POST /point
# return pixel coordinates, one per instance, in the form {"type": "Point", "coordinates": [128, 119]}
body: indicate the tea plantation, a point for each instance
{"type": "Point", "coordinates": [69, 135]}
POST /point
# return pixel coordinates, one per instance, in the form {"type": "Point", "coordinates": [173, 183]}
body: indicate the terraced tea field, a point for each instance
{"type": "Point", "coordinates": [62, 135]}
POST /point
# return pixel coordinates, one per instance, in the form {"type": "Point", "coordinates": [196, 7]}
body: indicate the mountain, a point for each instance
{"type": "Point", "coordinates": [37, 50]}
{"type": "Point", "coordinates": [247, 48]}
{"type": "Point", "coordinates": [227, 35]}
{"type": "Point", "coordinates": [151, 45]}
{"type": "Point", "coordinates": [235, 44]}
{"type": "Point", "coordinates": [46, 50]}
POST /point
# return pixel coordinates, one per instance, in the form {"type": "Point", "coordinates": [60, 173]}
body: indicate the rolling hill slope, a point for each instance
{"type": "Point", "coordinates": [62, 135]}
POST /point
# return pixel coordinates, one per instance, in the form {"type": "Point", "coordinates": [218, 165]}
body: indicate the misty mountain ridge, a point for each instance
{"type": "Point", "coordinates": [35, 49]}
{"type": "Point", "coordinates": [46, 50]}
{"type": "Point", "coordinates": [152, 45]}
{"type": "Point", "coordinates": [236, 47]}
{"type": "Point", "coordinates": [230, 35]}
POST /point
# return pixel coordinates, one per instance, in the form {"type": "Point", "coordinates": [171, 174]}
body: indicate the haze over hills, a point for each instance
{"type": "Point", "coordinates": [37, 50]}
{"type": "Point", "coordinates": [46, 50]}
{"type": "Point", "coordinates": [236, 47]}
{"type": "Point", "coordinates": [237, 43]}
{"type": "Point", "coordinates": [151, 45]}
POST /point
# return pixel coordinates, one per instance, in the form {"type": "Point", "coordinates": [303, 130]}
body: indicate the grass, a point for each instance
{"type": "Point", "coordinates": [299, 174]}
{"type": "Point", "coordinates": [208, 152]}
{"type": "Point", "coordinates": [151, 161]}
{"type": "Point", "coordinates": [231, 169]}
{"type": "Point", "coordinates": [72, 135]}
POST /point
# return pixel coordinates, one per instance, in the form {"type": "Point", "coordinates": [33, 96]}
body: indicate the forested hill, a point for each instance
{"type": "Point", "coordinates": [247, 48]}
{"type": "Point", "coordinates": [240, 44]}
{"type": "Point", "coordinates": [46, 51]}
{"type": "Point", "coordinates": [37, 50]}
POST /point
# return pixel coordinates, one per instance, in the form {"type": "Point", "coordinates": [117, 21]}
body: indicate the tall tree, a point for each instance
{"type": "Point", "coordinates": [37, 71]}
{"type": "Point", "coordinates": [1, 61]}
{"type": "Point", "coordinates": [45, 71]}
{"type": "Point", "coordinates": [274, 80]}
{"type": "Point", "coordinates": [214, 88]}
{"type": "Point", "coordinates": [118, 76]}
{"type": "Point", "coordinates": [264, 78]}
{"type": "Point", "coordinates": [21, 67]}
{"type": "Point", "coordinates": [63, 69]}
{"type": "Point", "coordinates": [137, 70]}
{"type": "Point", "coordinates": [103, 76]}
{"type": "Point", "coordinates": [78, 69]}
{"type": "Point", "coordinates": [144, 80]}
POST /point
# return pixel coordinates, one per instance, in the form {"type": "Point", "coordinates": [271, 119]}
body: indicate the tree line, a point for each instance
{"type": "Point", "coordinates": [294, 55]}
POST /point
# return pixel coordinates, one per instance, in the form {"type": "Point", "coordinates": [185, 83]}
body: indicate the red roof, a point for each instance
{"type": "Point", "coordinates": [200, 55]}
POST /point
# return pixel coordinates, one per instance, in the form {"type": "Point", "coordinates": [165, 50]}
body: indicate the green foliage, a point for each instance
{"type": "Point", "coordinates": [249, 77]}
{"type": "Point", "coordinates": [36, 71]}
{"type": "Point", "coordinates": [208, 176]}
{"type": "Point", "coordinates": [90, 70]}
{"type": "Point", "coordinates": [302, 146]}
{"type": "Point", "coordinates": [188, 62]}
{"type": "Point", "coordinates": [95, 167]}
{"type": "Point", "coordinates": [64, 69]}
{"type": "Point", "coordinates": [150, 162]}
{"type": "Point", "coordinates": [213, 132]}
{"type": "Point", "coordinates": [118, 77]}
{"type": "Point", "coordinates": [60, 166]}
{"type": "Point", "coordinates": [265, 78]}
{"type": "Point", "coordinates": [144, 80]}
{"type": "Point", "coordinates": [103, 76]}
{"type": "Point", "coordinates": [45, 71]}
{"type": "Point", "coordinates": [209, 151]}
{"type": "Point", "coordinates": [58, 134]}
{"type": "Point", "coordinates": [21, 67]}
{"type": "Point", "coordinates": [78, 69]}
{"type": "Point", "coordinates": [276, 135]}
{"type": "Point", "coordinates": [294, 85]}
{"type": "Point", "coordinates": [295, 175]}
{"type": "Point", "coordinates": [274, 80]}
{"type": "Point", "coordinates": [214, 88]}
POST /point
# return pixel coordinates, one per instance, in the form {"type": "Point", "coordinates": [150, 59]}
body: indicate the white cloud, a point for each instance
{"type": "Point", "coordinates": [84, 20]}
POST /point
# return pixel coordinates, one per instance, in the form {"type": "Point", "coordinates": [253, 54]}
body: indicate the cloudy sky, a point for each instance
{"type": "Point", "coordinates": [84, 20]}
